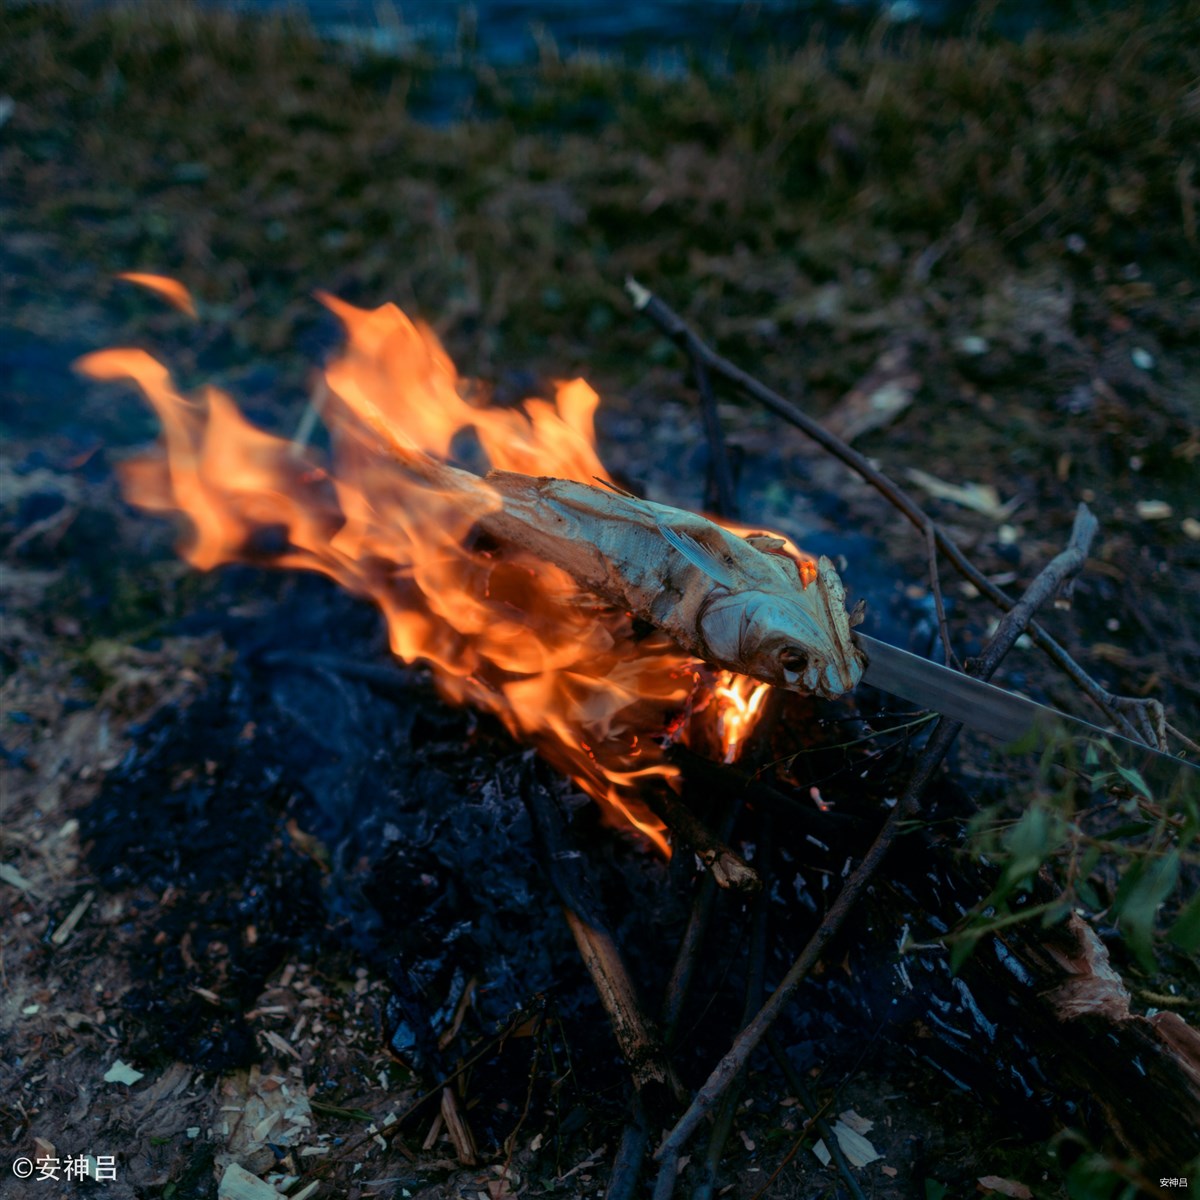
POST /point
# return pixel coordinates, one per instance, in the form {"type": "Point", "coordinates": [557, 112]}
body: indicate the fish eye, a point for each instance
{"type": "Point", "coordinates": [794, 659]}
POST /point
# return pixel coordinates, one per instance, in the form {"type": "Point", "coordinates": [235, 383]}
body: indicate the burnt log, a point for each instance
{"type": "Point", "coordinates": [1139, 1074]}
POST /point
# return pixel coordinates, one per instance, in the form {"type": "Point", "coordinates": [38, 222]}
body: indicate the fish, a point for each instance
{"type": "Point", "coordinates": [738, 602]}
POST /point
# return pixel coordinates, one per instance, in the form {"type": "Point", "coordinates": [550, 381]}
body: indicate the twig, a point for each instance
{"type": "Point", "coordinates": [1063, 567]}
{"type": "Point", "coordinates": [391, 1130]}
{"type": "Point", "coordinates": [639, 1044]}
{"type": "Point", "coordinates": [935, 586]}
{"type": "Point", "coordinates": [686, 957]}
{"type": "Point", "coordinates": [816, 1113]}
{"type": "Point", "coordinates": [729, 869]}
{"type": "Point", "coordinates": [735, 784]}
{"type": "Point", "coordinates": [721, 496]}
{"type": "Point", "coordinates": [1139, 718]}
{"type": "Point", "coordinates": [794, 1149]}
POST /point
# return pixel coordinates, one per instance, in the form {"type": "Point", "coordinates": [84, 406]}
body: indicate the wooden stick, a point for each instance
{"type": "Point", "coordinates": [1063, 567]}
{"type": "Point", "coordinates": [640, 1045]}
{"type": "Point", "coordinates": [728, 868]}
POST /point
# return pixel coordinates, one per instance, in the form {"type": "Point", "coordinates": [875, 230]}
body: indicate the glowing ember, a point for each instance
{"type": "Point", "coordinates": [505, 632]}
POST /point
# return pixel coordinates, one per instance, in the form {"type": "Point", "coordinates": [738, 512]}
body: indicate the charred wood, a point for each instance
{"type": "Point", "coordinates": [639, 1042]}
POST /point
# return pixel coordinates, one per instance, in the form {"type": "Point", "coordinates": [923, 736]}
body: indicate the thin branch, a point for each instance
{"type": "Point", "coordinates": [1062, 568]}
{"type": "Point", "coordinates": [724, 497]}
{"type": "Point", "coordinates": [631, 1153]}
{"type": "Point", "coordinates": [391, 1130]}
{"type": "Point", "coordinates": [1138, 718]}
{"type": "Point", "coordinates": [935, 585]}
{"type": "Point", "coordinates": [725, 778]}
{"type": "Point", "coordinates": [816, 1112]}
{"type": "Point", "coordinates": [721, 495]}
{"type": "Point", "coordinates": [737, 788]}
{"type": "Point", "coordinates": [639, 1043]}
{"type": "Point", "coordinates": [728, 868]}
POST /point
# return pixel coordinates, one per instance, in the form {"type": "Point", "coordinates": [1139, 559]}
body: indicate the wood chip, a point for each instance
{"type": "Point", "coordinates": [64, 931]}
{"type": "Point", "coordinates": [458, 1129]}
{"type": "Point", "coordinates": [279, 1044]}
{"type": "Point", "coordinates": [14, 878]}
{"type": "Point", "coordinates": [238, 1184]}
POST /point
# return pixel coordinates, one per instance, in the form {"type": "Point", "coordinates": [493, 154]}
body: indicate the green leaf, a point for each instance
{"type": "Point", "coordinates": [1143, 889]}
{"type": "Point", "coordinates": [1060, 910]}
{"type": "Point", "coordinates": [935, 1190]}
{"type": "Point", "coordinates": [1087, 893]}
{"type": "Point", "coordinates": [1135, 780]}
{"type": "Point", "coordinates": [1029, 844]}
{"type": "Point", "coordinates": [1092, 1177]}
{"type": "Point", "coordinates": [1185, 933]}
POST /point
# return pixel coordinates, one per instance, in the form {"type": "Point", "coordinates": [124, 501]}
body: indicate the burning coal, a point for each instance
{"type": "Point", "coordinates": [505, 628]}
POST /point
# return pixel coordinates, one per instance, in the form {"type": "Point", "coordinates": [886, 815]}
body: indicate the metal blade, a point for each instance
{"type": "Point", "coordinates": [982, 706]}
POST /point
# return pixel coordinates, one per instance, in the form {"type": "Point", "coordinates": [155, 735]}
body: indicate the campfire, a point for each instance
{"type": "Point", "coordinates": [487, 594]}
{"type": "Point", "coordinates": [620, 638]}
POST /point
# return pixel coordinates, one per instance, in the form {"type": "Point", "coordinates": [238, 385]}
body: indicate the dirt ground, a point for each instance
{"type": "Point", "coordinates": [977, 259]}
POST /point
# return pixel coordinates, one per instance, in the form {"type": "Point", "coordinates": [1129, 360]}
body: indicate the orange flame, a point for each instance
{"type": "Point", "coordinates": [739, 704]}
{"type": "Point", "coordinates": [504, 632]}
{"type": "Point", "coordinates": [171, 290]}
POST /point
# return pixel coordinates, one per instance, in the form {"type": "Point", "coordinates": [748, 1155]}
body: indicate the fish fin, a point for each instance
{"type": "Point", "coordinates": [698, 555]}
{"type": "Point", "coordinates": [612, 487]}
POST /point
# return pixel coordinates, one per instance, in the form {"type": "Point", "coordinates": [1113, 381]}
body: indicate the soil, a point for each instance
{"type": "Point", "coordinates": [251, 858]}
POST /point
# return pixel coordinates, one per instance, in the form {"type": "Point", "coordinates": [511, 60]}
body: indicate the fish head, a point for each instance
{"type": "Point", "coordinates": [798, 638]}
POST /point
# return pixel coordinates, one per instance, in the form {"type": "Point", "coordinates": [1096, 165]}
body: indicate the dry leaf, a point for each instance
{"type": "Point", "coordinates": [238, 1184]}
{"type": "Point", "coordinates": [121, 1072]}
{"type": "Point", "coordinates": [1153, 510]}
{"type": "Point", "coordinates": [859, 1124]}
{"type": "Point", "coordinates": [1006, 1187]}
{"type": "Point", "coordinates": [978, 497]}
{"type": "Point", "coordinates": [857, 1149]}
{"type": "Point", "coordinates": [877, 399]}
{"type": "Point", "coordinates": [279, 1044]}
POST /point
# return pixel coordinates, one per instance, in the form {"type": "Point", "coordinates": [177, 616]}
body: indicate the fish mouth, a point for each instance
{"type": "Point", "coordinates": [828, 680]}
